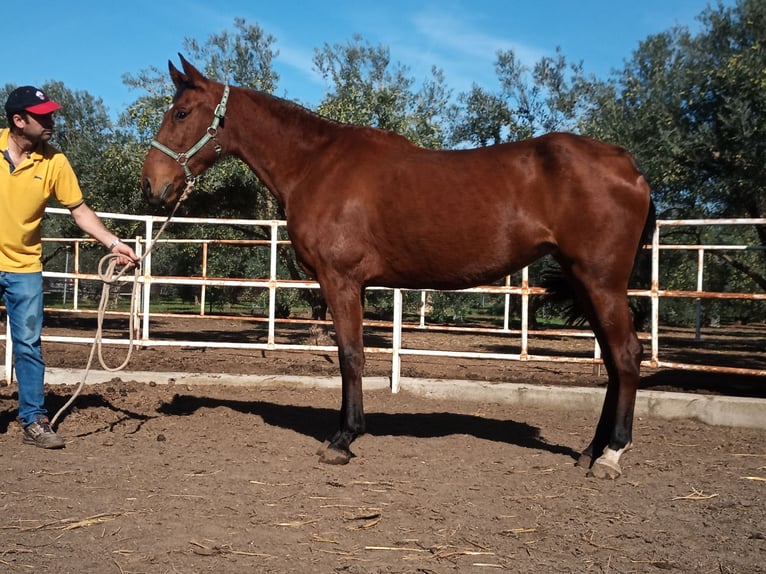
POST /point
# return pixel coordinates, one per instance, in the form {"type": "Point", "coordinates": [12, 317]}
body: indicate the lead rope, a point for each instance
{"type": "Point", "coordinates": [106, 272]}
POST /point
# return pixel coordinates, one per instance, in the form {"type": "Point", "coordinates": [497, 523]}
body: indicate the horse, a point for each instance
{"type": "Point", "coordinates": [367, 207]}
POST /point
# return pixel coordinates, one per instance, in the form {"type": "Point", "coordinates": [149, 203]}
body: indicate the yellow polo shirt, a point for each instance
{"type": "Point", "coordinates": [24, 194]}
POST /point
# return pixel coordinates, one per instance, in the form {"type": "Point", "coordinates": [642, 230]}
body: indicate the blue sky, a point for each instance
{"type": "Point", "coordinates": [90, 46]}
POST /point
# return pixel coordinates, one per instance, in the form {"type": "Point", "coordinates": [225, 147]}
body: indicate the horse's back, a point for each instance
{"type": "Point", "coordinates": [544, 182]}
{"type": "Point", "coordinates": [545, 167]}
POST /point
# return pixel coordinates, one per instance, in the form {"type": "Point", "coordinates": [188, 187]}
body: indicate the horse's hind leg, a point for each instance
{"type": "Point", "coordinates": [611, 321]}
{"type": "Point", "coordinates": [613, 435]}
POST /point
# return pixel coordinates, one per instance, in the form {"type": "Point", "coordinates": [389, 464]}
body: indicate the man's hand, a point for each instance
{"type": "Point", "coordinates": [126, 255]}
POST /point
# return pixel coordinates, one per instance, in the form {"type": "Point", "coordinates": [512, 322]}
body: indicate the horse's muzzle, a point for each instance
{"type": "Point", "coordinates": [164, 196]}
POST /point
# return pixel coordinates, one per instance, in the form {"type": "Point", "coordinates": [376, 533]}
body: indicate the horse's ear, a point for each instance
{"type": "Point", "coordinates": [176, 75]}
{"type": "Point", "coordinates": [193, 75]}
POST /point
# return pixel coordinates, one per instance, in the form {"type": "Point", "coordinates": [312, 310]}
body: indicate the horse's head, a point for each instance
{"type": "Point", "coordinates": [188, 140]}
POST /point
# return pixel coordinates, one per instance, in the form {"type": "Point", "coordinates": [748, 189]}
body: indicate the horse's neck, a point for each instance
{"type": "Point", "coordinates": [277, 140]}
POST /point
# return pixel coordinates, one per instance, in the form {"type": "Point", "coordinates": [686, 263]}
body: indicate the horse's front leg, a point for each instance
{"type": "Point", "coordinates": [347, 310]}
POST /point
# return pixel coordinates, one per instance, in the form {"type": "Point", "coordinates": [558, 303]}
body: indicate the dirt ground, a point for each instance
{"type": "Point", "coordinates": [181, 479]}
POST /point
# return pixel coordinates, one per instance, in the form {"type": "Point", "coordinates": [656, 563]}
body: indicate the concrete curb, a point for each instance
{"type": "Point", "coordinates": [709, 409]}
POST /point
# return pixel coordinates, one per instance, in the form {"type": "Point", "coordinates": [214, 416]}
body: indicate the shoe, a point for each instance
{"type": "Point", "coordinates": [39, 433]}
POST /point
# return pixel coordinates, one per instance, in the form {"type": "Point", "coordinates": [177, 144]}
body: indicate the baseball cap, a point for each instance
{"type": "Point", "coordinates": [30, 99]}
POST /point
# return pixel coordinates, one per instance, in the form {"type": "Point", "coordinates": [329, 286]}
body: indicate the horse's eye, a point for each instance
{"type": "Point", "coordinates": [180, 114]}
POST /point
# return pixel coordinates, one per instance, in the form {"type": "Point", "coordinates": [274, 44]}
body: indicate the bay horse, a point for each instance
{"type": "Point", "coordinates": [367, 207]}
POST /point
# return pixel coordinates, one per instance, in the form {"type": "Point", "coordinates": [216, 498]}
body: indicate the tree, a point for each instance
{"type": "Point", "coordinates": [728, 115]}
{"type": "Point", "coordinates": [365, 88]}
{"type": "Point", "coordinates": [530, 101]}
{"type": "Point", "coordinates": [692, 109]}
{"type": "Point", "coordinates": [243, 58]}
{"type": "Point", "coordinates": [480, 118]}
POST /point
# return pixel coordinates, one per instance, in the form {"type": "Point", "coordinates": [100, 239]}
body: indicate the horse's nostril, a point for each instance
{"type": "Point", "coordinates": [167, 194]}
{"type": "Point", "coordinates": [147, 191]}
{"type": "Point", "coordinates": [146, 187]}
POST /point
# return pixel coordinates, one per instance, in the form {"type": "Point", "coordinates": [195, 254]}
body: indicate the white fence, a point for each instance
{"type": "Point", "coordinates": [144, 315]}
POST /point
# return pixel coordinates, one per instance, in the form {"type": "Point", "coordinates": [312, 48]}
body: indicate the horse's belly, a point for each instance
{"type": "Point", "coordinates": [455, 270]}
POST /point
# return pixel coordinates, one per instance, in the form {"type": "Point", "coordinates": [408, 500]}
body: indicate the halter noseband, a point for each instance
{"type": "Point", "coordinates": [210, 134]}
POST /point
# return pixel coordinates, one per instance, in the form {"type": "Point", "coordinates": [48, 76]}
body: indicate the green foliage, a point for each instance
{"type": "Point", "coordinates": [480, 119]}
{"type": "Point", "coordinates": [243, 57]}
{"type": "Point", "coordinates": [366, 89]}
{"type": "Point", "coordinates": [530, 102]}
{"type": "Point", "coordinates": [450, 307]}
{"type": "Point", "coordinates": [692, 109]}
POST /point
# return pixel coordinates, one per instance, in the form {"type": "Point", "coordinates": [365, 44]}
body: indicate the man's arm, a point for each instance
{"type": "Point", "coordinates": [87, 220]}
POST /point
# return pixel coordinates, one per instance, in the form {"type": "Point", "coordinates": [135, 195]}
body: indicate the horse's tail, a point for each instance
{"type": "Point", "coordinates": [559, 293]}
{"type": "Point", "coordinates": [648, 232]}
{"type": "Point", "coordinates": [559, 289]}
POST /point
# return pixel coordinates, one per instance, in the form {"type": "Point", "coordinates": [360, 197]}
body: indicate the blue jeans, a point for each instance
{"type": "Point", "coordinates": [23, 294]}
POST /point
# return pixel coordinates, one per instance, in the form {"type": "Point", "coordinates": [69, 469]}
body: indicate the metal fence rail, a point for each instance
{"type": "Point", "coordinates": [147, 280]}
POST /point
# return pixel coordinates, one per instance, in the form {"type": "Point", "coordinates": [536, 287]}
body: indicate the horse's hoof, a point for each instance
{"type": "Point", "coordinates": [605, 468]}
{"type": "Point", "coordinates": [330, 455]}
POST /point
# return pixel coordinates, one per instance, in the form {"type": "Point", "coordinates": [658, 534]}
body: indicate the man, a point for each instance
{"type": "Point", "coordinates": [31, 171]}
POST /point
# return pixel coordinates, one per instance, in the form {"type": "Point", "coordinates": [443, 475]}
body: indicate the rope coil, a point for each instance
{"type": "Point", "coordinates": [106, 272]}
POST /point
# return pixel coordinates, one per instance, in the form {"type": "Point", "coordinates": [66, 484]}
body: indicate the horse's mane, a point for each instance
{"type": "Point", "coordinates": [286, 108]}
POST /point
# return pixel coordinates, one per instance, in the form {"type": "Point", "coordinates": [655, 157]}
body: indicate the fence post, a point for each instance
{"type": "Point", "coordinates": [273, 280]}
{"type": "Point", "coordinates": [596, 356]}
{"type": "Point", "coordinates": [147, 287]}
{"type": "Point", "coordinates": [655, 295]}
{"type": "Point", "coordinates": [76, 282]}
{"type": "Point", "coordinates": [524, 352]}
{"type": "Point", "coordinates": [137, 304]}
{"type": "Point", "coordinates": [698, 301]}
{"type": "Point", "coordinates": [396, 343]}
{"type": "Point", "coordinates": [507, 306]}
{"type": "Point", "coordinates": [203, 287]}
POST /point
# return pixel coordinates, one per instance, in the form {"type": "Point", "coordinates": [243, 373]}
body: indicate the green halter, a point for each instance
{"type": "Point", "coordinates": [210, 134]}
